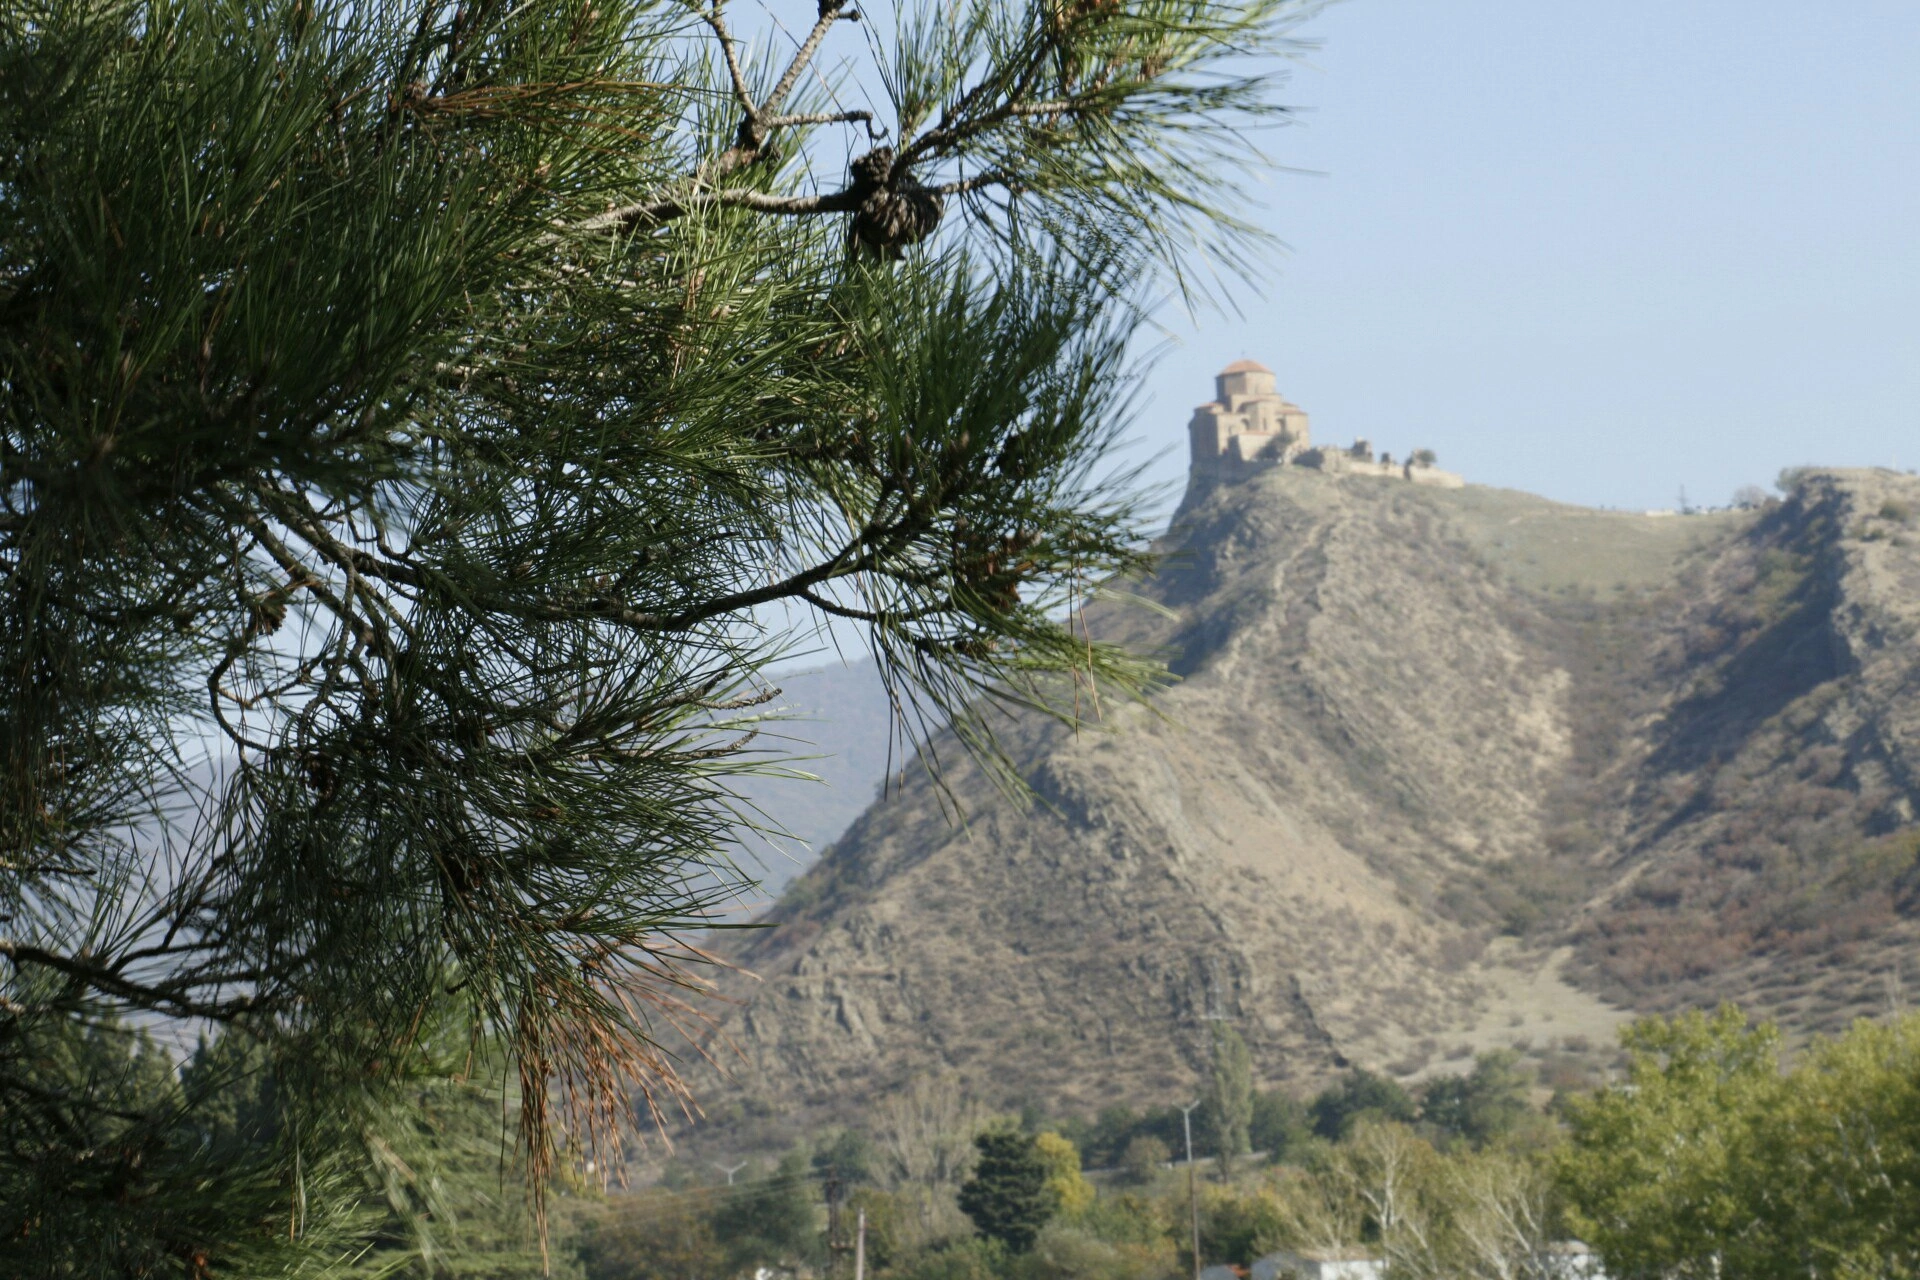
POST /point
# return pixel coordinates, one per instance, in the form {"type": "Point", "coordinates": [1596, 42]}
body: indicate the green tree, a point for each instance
{"type": "Point", "coordinates": [1359, 1093]}
{"type": "Point", "coordinates": [1236, 1221]}
{"type": "Point", "coordinates": [1845, 1136]}
{"type": "Point", "coordinates": [441, 1194]}
{"type": "Point", "coordinates": [1654, 1170]}
{"type": "Point", "coordinates": [414, 419]}
{"type": "Point", "coordinates": [448, 1195]}
{"type": "Point", "coordinates": [1072, 1193]}
{"type": "Point", "coordinates": [1485, 1103]}
{"type": "Point", "coordinates": [113, 1136]}
{"type": "Point", "coordinates": [966, 1258]}
{"type": "Point", "coordinates": [656, 1235]}
{"type": "Point", "coordinates": [889, 1219]}
{"type": "Point", "coordinates": [1712, 1162]}
{"type": "Point", "coordinates": [1227, 1102]}
{"type": "Point", "coordinates": [771, 1221]}
{"type": "Point", "coordinates": [1281, 1125]}
{"type": "Point", "coordinates": [1075, 1253]}
{"type": "Point", "coordinates": [1007, 1197]}
{"type": "Point", "coordinates": [1113, 1128]}
{"type": "Point", "coordinates": [846, 1154]}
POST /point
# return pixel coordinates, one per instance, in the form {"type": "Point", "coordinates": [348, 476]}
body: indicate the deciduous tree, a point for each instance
{"type": "Point", "coordinates": [1655, 1169]}
{"type": "Point", "coordinates": [1360, 1093]}
{"type": "Point", "coordinates": [1483, 1104]}
{"type": "Point", "coordinates": [1281, 1125]}
{"type": "Point", "coordinates": [1713, 1162]}
{"type": "Point", "coordinates": [1228, 1099]}
{"type": "Point", "coordinates": [1072, 1193]}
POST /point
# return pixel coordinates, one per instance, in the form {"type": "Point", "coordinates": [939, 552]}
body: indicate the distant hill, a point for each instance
{"type": "Point", "coordinates": [836, 725]}
{"type": "Point", "coordinates": [1445, 770]}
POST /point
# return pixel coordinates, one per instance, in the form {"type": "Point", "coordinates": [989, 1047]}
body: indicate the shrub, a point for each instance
{"type": "Point", "coordinates": [1074, 1253]}
{"type": "Point", "coordinates": [1144, 1157]}
{"type": "Point", "coordinates": [966, 1259]}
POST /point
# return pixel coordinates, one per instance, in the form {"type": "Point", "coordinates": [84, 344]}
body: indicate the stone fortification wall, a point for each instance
{"type": "Point", "coordinates": [1346, 463]}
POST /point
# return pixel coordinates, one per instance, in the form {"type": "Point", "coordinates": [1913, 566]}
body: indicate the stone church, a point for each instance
{"type": "Point", "coordinates": [1249, 424]}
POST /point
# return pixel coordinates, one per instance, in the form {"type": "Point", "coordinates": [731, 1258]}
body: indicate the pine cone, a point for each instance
{"type": "Point", "coordinates": [895, 210]}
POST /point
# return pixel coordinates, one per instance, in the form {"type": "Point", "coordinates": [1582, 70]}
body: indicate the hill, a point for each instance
{"type": "Point", "coordinates": [835, 724]}
{"type": "Point", "coordinates": [1445, 769]}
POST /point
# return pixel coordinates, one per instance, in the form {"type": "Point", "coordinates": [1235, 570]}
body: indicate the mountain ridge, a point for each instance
{"type": "Point", "coordinates": [1445, 769]}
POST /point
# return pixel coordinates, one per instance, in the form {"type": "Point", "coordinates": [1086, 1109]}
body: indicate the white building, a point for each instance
{"type": "Point", "coordinates": [1565, 1260]}
{"type": "Point", "coordinates": [1574, 1260]}
{"type": "Point", "coordinates": [1318, 1264]}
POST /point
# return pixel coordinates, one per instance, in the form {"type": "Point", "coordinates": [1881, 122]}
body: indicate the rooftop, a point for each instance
{"type": "Point", "coordinates": [1246, 366]}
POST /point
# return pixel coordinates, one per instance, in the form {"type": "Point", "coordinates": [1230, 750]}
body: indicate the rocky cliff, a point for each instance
{"type": "Point", "coordinates": [1444, 769]}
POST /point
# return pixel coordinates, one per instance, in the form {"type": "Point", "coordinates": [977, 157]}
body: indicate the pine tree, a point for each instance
{"type": "Point", "coordinates": [1008, 1197]}
{"type": "Point", "coordinates": [420, 425]}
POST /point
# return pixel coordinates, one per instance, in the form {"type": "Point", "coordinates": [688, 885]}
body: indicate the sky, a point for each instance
{"type": "Point", "coordinates": [1600, 252]}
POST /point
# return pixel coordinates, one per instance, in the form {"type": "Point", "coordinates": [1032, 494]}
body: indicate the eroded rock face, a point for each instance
{"type": "Point", "coordinates": [1411, 722]}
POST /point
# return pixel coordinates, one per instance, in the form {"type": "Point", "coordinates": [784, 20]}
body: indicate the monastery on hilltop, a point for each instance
{"type": "Point", "coordinates": [1249, 425]}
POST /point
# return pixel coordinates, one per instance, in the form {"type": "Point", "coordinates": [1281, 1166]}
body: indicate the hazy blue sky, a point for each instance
{"type": "Point", "coordinates": [1596, 251]}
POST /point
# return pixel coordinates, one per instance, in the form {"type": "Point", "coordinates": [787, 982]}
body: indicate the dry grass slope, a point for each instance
{"type": "Point", "coordinates": [1444, 769]}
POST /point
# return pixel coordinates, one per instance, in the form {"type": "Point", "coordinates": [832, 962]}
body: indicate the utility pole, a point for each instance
{"type": "Point", "coordinates": [835, 1247]}
{"type": "Point", "coordinates": [1193, 1194]}
{"type": "Point", "coordinates": [860, 1246]}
